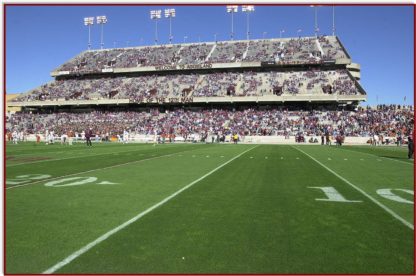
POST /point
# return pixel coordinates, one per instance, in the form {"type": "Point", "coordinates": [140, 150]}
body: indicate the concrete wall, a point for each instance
{"type": "Point", "coordinates": [278, 140]}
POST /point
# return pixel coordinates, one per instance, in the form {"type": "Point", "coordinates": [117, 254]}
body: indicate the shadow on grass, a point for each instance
{"type": "Point", "coordinates": [398, 158]}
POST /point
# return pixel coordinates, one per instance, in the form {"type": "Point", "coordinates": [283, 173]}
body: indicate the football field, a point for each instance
{"type": "Point", "coordinates": [208, 208]}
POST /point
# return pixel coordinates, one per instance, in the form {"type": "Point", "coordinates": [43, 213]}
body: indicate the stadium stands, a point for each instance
{"type": "Point", "coordinates": [274, 70]}
{"type": "Point", "coordinates": [308, 50]}
{"type": "Point", "coordinates": [386, 120]}
{"type": "Point", "coordinates": [247, 83]}
{"type": "Point", "coordinates": [253, 87]}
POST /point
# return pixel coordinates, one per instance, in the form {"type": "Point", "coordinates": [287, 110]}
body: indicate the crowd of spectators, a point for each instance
{"type": "Point", "coordinates": [247, 83]}
{"type": "Point", "coordinates": [387, 121]}
{"type": "Point", "coordinates": [284, 51]}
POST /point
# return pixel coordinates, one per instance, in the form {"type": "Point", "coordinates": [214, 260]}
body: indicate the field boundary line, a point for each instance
{"type": "Point", "coordinates": [98, 169]}
{"type": "Point", "coordinates": [87, 247]}
{"type": "Point", "coordinates": [387, 158]}
{"type": "Point", "coordinates": [384, 207]}
{"type": "Point", "coordinates": [73, 148]}
{"type": "Point", "coordinates": [71, 157]}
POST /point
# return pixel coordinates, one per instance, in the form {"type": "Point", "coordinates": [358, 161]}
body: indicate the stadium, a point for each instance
{"type": "Point", "coordinates": [232, 156]}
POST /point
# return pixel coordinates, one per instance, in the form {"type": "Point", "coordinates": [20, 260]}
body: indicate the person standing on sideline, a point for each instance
{"type": "Point", "coordinates": [70, 137]}
{"type": "Point", "coordinates": [88, 135]}
{"type": "Point", "coordinates": [125, 136]}
{"type": "Point", "coordinates": [15, 136]}
{"type": "Point", "coordinates": [410, 146]}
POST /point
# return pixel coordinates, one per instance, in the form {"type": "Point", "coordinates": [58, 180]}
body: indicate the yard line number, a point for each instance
{"type": "Point", "coordinates": [63, 182]}
{"type": "Point", "coordinates": [333, 195]}
{"type": "Point", "coordinates": [330, 192]}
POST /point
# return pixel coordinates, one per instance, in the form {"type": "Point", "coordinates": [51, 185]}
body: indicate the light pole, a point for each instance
{"type": "Point", "coordinates": [232, 10]}
{"type": "Point", "coordinates": [156, 15]}
{"type": "Point", "coordinates": [316, 19]}
{"type": "Point", "coordinates": [170, 13]}
{"type": "Point", "coordinates": [248, 10]}
{"type": "Point", "coordinates": [88, 21]}
{"type": "Point", "coordinates": [102, 20]}
{"type": "Point", "coordinates": [333, 20]}
{"type": "Point", "coordinates": [184, 39]}
{"type": "Point", "coordinates": [215, 37]}
{"type": "Point", "coordinates": [264, 35]}
{"type": "Point", "coordinates": [299, 31]}
{"type": "Point", "coordinates": [281, 32]}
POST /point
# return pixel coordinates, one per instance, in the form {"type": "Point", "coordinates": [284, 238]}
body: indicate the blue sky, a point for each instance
{"type": "Point", "coordinates": [380, 38]}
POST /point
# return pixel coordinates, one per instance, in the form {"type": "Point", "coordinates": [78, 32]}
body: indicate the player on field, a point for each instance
{"type": "Point", "coordinates": [15, 137]}
{"type": "Point", "coordinates": [51, 137]}
{"type": "Point", "coordinates": [410, 146]}
{"type": "Point", "coordinates": [88, 135]}
{"type": "Point", "coordinates": [70, 137]}
{"type": "Point", "coordinates": [125, 136]}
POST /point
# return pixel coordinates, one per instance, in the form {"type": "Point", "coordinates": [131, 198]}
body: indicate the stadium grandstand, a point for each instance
{"type": "Point", "coordinates": [268, 87]}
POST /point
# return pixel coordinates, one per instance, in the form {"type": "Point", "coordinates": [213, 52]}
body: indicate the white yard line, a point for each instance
{"type": "Point", "coordinates": [74, 157]}
{"type": "Point", "coordinates": [102, 168]}
{"type": "Point", "coordinates": [387, 158]}
{"type": "Point", "coordinates": [87, 247]}
{"type": "Point", "coordinates": [384, 207]}
{"type": "Point", "coordinates": [66, 148]}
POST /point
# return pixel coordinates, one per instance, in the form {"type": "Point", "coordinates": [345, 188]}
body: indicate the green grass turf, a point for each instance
{"type": "Point", "coordinates": [392, 152]}
{"type": "Point", "coordinates": [254, 215]}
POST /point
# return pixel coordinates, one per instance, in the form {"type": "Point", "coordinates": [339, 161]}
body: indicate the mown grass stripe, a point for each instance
{"type": "Point", "coordinates": [374, 155]}
{"type": "Point", "coordinates": [98, 169]}
{"type": "Point", "coordinates": [75, 157]}
{"type": "Point", "coordinates": [84, 249]}
{"type": "Point", "coordinates": [385, 208]}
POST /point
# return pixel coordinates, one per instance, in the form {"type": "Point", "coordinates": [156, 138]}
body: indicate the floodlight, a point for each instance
{"type": "Point", "coordinates": [247, 8]}
{"type": "Point", "coordinates": [102, 19]}
{"type": "Point", "coordinates": [232, 9]}
{"type": "Point", "coordinates": [170, 13]}
{"type": "Point", "coordinates": [155, 14]}
{"type": "Point", "coordinates": [88, 21]}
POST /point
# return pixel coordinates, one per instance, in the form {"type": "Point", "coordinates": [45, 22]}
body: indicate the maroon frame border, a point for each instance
{"type": "Point", "coordinates": [5, 5]}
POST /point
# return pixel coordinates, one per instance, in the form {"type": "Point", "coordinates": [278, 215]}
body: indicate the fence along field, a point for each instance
{"type": "Point", "coordinates": [250, 209]}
